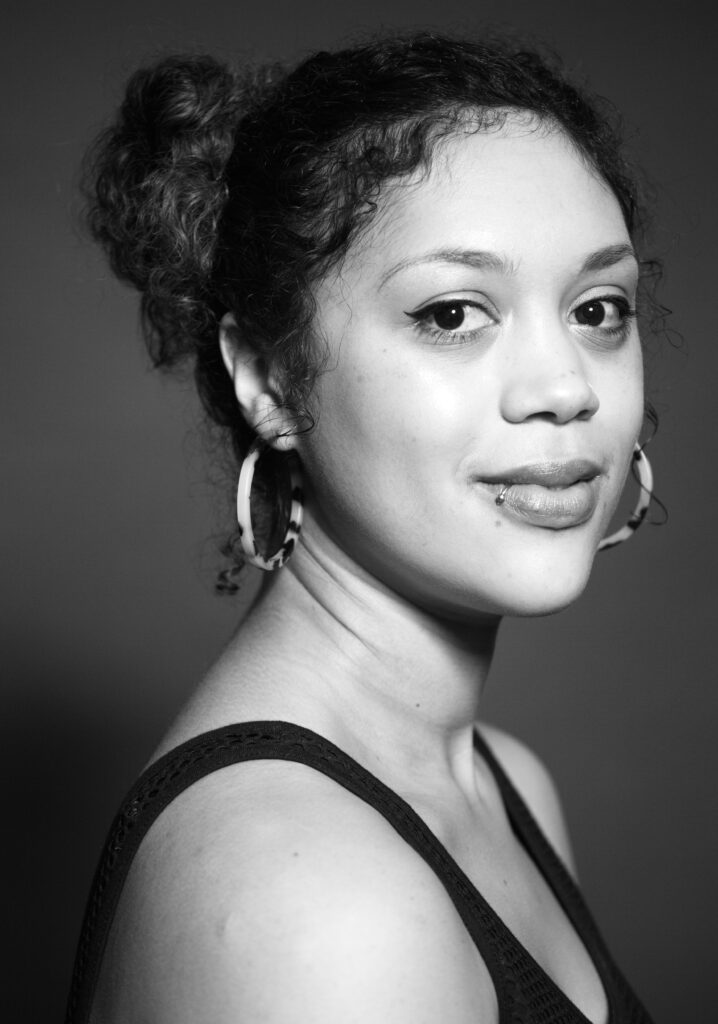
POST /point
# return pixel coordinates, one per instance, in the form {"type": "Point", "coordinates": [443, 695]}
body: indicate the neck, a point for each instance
{"type": "Point", "coordinates": [344, 654]}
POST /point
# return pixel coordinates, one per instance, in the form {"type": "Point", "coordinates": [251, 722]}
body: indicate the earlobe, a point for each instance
{"type": "Point", "coordinates": [258, 400]}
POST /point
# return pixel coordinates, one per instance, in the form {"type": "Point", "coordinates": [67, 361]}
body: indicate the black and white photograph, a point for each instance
{"type": "Point", "coordinates": [359, 500]}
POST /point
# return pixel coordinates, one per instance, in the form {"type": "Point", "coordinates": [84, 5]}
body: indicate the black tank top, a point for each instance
{"type": "Point", "coordinates": [525, 992]}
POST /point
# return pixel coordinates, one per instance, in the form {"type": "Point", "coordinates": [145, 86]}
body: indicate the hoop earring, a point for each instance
{"type": "Point", "coordinates": [645, 482]}
{"type": "Point", "coordinates": [244, 513]}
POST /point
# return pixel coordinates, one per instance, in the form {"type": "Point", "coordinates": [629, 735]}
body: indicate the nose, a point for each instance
{"type": "Point", "coordinates": [545, 377]}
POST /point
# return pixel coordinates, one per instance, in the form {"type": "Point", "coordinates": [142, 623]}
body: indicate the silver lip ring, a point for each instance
{"type": "Point", "coordinates": [501, 496]}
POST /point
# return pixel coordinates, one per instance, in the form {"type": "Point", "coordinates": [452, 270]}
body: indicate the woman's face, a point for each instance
{"type": "Point", "coordinates": [481, 345]}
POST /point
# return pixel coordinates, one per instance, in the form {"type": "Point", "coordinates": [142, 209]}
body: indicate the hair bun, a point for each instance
{"type": "Point", "coordinates": [155, 189]}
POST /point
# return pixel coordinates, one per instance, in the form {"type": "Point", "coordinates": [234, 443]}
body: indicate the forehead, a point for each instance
{"type": "Point", "coordinates": [522, 190]}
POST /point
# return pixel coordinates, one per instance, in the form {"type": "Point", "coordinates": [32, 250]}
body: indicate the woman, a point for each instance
{"type": "Point", "coordinates": [407, 276]}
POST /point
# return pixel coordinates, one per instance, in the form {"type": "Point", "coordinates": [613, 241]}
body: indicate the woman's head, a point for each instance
{"type": "Point", "coordinates": [483, 345]}
{"type": "Point", "coordinates": [219, 195]}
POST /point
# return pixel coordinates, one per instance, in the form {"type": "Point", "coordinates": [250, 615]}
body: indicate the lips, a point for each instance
{"type": "Point", "coordinates": [547, 474]}
{"type": "Point", "coordinates": [554, 494]}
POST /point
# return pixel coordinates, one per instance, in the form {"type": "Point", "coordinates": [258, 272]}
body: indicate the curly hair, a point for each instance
{"type": "Point", "coordinates": [217, 191]}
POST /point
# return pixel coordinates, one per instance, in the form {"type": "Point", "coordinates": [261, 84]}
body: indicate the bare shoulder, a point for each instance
{"type": "Point", "coordinates": [533, 781]}
{"type": "Point", "coordinates": [268, 893]}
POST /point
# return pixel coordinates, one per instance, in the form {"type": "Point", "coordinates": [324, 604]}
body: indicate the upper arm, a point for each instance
{"type": "Point", "coordinates": [282, 910]}
{"type": "Point", "coordinates": [533, 781]}
{"type": "Point", "coordinates": [358, 951]}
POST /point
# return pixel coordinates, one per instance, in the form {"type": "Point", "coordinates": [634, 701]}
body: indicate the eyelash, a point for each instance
{"type": "Point", "coordinates": [420, 318]}
{"type": "Point", "coordinates": [627, 314]}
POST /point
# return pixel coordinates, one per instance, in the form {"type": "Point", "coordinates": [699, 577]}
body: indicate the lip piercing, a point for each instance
{"type": "Point", "coordinates": [501, 496]}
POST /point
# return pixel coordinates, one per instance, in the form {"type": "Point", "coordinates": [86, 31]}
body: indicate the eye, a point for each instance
{"type": "Point", "coordinates": [610, 314]}
{"type": "Point", "coordinates": [452, 318]}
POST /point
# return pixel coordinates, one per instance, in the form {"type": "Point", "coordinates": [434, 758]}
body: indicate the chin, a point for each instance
{"type": "Point", "coordinates": [529, 583]}
{"type": "Point", "coordinates": [546, 603]}
{"type": "Point", "coordinates": [527, 591]}
{"type": "Point", "coordinates": [547, 587]}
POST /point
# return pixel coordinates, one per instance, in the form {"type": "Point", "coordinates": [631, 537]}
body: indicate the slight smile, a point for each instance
{"type": "Point", "coordinates": [554, 495]}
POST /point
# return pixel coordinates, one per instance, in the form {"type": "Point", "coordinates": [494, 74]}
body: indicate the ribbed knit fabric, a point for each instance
{"type": "Point", "coordinates": [525, 992]}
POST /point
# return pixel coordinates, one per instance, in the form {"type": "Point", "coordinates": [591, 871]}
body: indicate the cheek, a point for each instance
{"type": "Point", "coordinates": [356, 420]}
{"type": "Point", "coordinates": [387, 441]}
{"type": "Point", "coordinates": [633, 398]}
{"type": "Point", "coordinates": [384, 415]}
{"type": "Point", "coordinates": [620, 391]}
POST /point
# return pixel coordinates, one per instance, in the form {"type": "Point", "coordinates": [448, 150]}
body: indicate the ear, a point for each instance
{"type": "Point", "coordinates": [256, 391]}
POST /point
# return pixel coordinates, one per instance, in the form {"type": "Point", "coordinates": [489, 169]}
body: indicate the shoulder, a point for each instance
{"type": "Point", "coordinates": [538, 790]}
{"type": "Point", "coordinates": [267, 887]}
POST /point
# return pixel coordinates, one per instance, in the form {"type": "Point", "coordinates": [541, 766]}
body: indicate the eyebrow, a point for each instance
{"type": "Point", "coordinates": [476, 258]}
{"type": "Point", "coordinates": [479, 259]}
{"type": "Point", "coordinates": [602, 259]}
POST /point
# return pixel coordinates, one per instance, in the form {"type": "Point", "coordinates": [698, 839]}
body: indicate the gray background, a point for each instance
{"type": "Point", "coordinates": [108, 511]}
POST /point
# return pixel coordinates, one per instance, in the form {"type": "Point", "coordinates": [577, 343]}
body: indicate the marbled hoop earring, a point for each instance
{"type": "Point", "coordinates": [244, 512]}
{"type": "Point", "coordinates": [645, 483]}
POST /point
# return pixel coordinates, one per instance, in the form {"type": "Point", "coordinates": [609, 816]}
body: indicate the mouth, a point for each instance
{"type": "Point", "coordinates": [555, 495]}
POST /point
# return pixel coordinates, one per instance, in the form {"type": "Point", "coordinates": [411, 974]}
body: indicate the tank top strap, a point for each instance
{"type": "Point", "coordinates": [179, 768]}
{"type": "Point", "coordinates": [553, 869]}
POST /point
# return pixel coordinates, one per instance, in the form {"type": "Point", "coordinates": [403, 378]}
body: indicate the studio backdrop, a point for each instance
{"type": "Point", "coordinates": [112, 516]}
